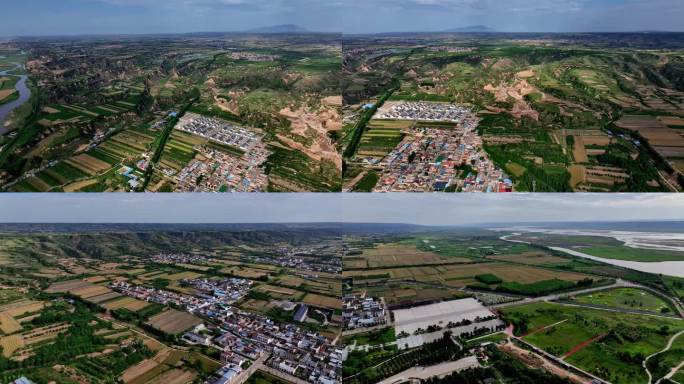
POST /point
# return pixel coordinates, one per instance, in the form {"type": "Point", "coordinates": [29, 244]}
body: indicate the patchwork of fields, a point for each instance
{"type": "Point", "coordinates": [608, 344]}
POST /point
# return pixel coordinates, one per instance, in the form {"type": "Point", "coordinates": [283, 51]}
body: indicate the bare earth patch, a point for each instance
{"type": "Point", "coordinates": [6, 93]}
{"type": "Point", "coordinates": [314, 126]}
{"type": "Point", "coordinates": [517, 92]}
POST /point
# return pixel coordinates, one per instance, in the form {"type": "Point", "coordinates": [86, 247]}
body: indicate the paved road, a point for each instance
{"type": "Point", "coordinates": [667, 347]}
{"type": "Point", "coordinates": [282, 375]}
{"type": "Point", "coordinates": [619, 283]}
{"type": "Point", "coordinates": [259, 365]}
{"type": "Point", "coordinates": [671, 373]}
{"type": "Point", "coordinates": [437, 370]}
{"type": "Point", "coordinates": [675, 301]}
{"type": "Point", "coordinates": [621, 310]}
{"type": "Point", "coordinates": [245, 374]}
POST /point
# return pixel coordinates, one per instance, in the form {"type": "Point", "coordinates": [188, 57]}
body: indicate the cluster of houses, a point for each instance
{"type": "Point", "coordinates": [227, 373]}
{"type": "Point", "coordinates": [244, 336]}
{"type": "Point", "coordinates": [251, 56]}
{"type": "Point", "coordinates": [132, 175]}
{"type": "Point", "coordinates": [424, 111]}
{"type": "Point", "coordinates": [360, 311]}
{"type": "Point", "coordinates": [218, 130]}
{"type": "Point", "coordinates": [290, 349]}
{"type": "Point", "coordinates": [450, 49]}
{"type": "Point", "coordinates": [219, 171]}
{"type": "Point", "coordinates": [315, 258]}
{"type": "Point", "coordinates": [227, 290]}
{"type": "Point", "coordinates": [179, 258]}
{"type": "Point", "coordinates": [203, 303]}
{"type": "Point", "coordinates": [432, 159]}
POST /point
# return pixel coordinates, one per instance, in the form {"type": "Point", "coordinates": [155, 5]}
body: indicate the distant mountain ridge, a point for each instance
{"type": "Point", "coordinates": [281, 28]}
{"type": "Point", "coordinates": [332, 228]}
{"type": "Point", "coordinates": [472, 28]}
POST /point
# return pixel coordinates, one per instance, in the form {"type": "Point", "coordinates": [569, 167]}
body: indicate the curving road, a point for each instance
{"type": "Point", "coordinates": [667, 347]}
{"type": "Point", "coordinates": [619, 283]}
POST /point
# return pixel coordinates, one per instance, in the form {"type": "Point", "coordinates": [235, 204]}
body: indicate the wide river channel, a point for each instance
{"type": "Point", "coordinates": [24, 95]}
{"type": "Point", "coordinates": [670, 268]}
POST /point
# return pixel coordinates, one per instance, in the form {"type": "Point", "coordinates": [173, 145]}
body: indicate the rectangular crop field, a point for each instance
{"type": "Point", "coordinates": [8, 324]}
{"type": "Point", "coordinates": [10, 344]}
{"type": "Point", "coordinates": [323, 301]}
{"type": "Point", "coordinates": [173, 321]}
{"type": "Point", "coordinates": [391, 255]}
{"type": "Point", "coordinates": [457, 273]}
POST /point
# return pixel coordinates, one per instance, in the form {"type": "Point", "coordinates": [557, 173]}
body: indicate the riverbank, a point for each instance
{"type": "Point", "coordinates": [24, 94]}
{"type": "Point", "coordinates": [669, 268]}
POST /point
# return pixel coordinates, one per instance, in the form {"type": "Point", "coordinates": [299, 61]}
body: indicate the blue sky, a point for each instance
{"type": "Point", "coordinates": [426, 209]}
{"type": "Point", "coordinates": [50, 17]}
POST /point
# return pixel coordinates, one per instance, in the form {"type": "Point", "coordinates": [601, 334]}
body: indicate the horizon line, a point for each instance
{"type": "Point", "coordinates": [330, 222]}
{"type": "Point", "coordinates": [250, 32]}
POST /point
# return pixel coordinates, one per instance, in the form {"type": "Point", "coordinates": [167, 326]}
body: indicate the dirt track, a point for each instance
{"type": "Point", "coordinates": [533, 360]}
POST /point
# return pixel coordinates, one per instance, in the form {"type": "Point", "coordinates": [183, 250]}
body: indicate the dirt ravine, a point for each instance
{"type": "Point", "coordinates": [517, 91]}
{"type": "Point", "coordinates": [314, 126]}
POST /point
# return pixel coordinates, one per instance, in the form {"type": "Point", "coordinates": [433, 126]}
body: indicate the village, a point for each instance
{"type": "Point", "coordinates": [244, 336]}
{"type": "Point", "coordinates": [309, 258]}
{"type": "Point", "coordinates": [436, 159]}
{"type": "Point", "coordinates": [216, 294]}
{"type": "Point", "coordinates": [252, 56]}
{"type": "Point", "coordinates": [179, 258]}
{"type": "Point", "coordinates": [218, 130]}
{"type": "Point", "coordinates": [363, 311]}
{"type": "Point", "coordinates": [410, 146]}
{"type": "Point", "coordinates": [424, 111]}
{"type": "Point", "coordinates": [285, 347]}
{"type": "Point", "coordinates": [217, 171]}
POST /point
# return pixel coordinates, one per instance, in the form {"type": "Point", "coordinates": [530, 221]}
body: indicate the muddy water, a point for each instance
{"type": "Point", "coordinates": [24, 95]}
{"type": "Point", "coordinates": [670, 268]}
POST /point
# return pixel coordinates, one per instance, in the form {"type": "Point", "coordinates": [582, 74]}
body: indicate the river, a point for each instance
{"type": "Point", "coordinates": [24, 95]}
{"type": "Point", "coordinates": [670, 268]}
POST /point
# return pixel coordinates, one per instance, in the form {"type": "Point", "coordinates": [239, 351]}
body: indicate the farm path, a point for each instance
{"type": "Point", "coordinates": [131, 328]}
{"type": "Point", "coordinates": [667, 347]}
{"type": "Point", "coordinates": [667, 181]}
{"type": "Point", "coordinates": [671, 373]}
{"type": "Point", "coordinates": [348, 186]}
{"type": "Point", "coordinates": [583, 345]}
{"type": "Point", "coordinates": [532, 332]}
{"type": "Point", "coordinates": [558, 362]}
{"type": "Point", "coordinates": [542, 361]}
